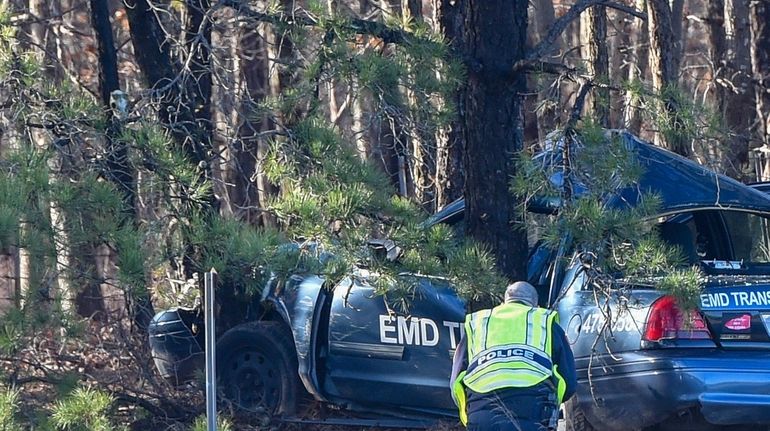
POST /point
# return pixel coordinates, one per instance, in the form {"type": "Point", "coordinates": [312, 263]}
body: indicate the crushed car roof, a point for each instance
{"type": "Point", "coordinates": [683, 184]}
{"type": "Point", "coordinates": [680, 183]}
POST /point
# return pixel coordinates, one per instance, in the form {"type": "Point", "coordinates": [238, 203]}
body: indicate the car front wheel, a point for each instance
{"type": "Point", "coordinates": [257, 369]}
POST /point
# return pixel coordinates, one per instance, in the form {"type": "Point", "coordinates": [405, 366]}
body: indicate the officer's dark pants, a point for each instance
{"type": "Point", "coordinates": [512, 410]}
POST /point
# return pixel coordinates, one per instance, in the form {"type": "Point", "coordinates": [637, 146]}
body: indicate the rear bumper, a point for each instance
{"type": "Point", "coordinates": [640, 389]}
{"type": "Point", "coordinates": [176, 349]}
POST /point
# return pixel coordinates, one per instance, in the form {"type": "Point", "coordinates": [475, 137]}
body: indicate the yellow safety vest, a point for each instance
{"type": "Point", "coordinates": [509, 346]}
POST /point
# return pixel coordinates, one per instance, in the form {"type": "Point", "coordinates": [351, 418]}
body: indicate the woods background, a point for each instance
{"type": "Point", "coordinates": [145, 141]}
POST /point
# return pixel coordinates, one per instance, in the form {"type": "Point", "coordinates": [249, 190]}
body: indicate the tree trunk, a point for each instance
{"type": "Point", "coordinates": [420, 151]}
{"type": "Point", "coordinates": [595, 40]}
{"type": "Point", "coordinates": [58, 285]}
{"type": "Point", "coordinates": [413, 7]}
{"type": "Point", "coordinates": [198, 45]}
{"type": "Point", "coordinates": [226, 98]}
{"type": "Point", "coordinates": [718, 50]}
{"type": "Point", "coordinates": [679, 26]}
{"type": "Point", "coordinates": [759, 17]}
{"type": "Point", "coordinates": [549, 94]}
{"type": "Point", "coordinates": [637, 69]}
{"type": "Point", "coordinates": [739, 110]}
{"type": "Point", "coordinates": [153, 55]}
{"type": "Point", "coordinates": [251, 186]}
{"type": "Point", "coordinates": [8, 295]}
{"type": "Point", "coordinates": [108, 57]}
{"type": "Point", "coordinates": [495, 39]}
{"type": "Point", "coordinates": [727, 89]}
{"type": "Point", "coordinates": [279, 49]}
{"type": "Point", "coordinates": [450, 140]}
{"type": "Point", "coordinates": [664, 66]}
{"type": "Point", "coordinates": [663, 62]}
{"type": "Point", "coordinates": [361, 130]}
{"type": "Point", "coordinates": [120, 171]}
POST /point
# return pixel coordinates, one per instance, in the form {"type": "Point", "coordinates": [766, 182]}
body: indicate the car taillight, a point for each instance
{"type": "Point", "coordinates": [667, 322]}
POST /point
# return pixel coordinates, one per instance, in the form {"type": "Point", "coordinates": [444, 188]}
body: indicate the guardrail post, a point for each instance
{"type": "Point", "coordinates": [210, 280]}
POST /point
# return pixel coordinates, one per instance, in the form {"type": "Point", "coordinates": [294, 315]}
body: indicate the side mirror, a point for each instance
{"type": "Point", "coordinates": [386, 247]}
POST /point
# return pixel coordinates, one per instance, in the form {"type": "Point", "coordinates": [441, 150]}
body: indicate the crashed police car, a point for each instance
{"type": "Point", "coordinates": [656, 367]}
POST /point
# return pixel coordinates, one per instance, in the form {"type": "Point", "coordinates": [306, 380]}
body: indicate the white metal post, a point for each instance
{"type": "Point", "coordinates": [210, 280]}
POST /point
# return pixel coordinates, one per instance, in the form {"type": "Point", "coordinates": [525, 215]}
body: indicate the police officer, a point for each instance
{"type": "Point", "coordinates": [513, 366]}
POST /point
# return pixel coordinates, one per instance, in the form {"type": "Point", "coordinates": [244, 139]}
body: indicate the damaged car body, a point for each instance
{"type": "Point", "coordinates": [344, 346]}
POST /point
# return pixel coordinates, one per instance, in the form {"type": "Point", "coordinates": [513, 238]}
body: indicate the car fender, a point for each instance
{"type": "Point", "coordinates": [299, 303]}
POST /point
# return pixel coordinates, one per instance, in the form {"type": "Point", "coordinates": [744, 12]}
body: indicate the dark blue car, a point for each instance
{"type": "Point", "coordinates": [641, 362]}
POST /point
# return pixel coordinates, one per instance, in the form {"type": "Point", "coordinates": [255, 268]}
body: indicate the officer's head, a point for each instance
{"type": "Point", "coordinates": [521, 292]}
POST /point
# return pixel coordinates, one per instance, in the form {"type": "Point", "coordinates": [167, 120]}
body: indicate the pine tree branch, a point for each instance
{"type": "Point", "coordinates": [355, 25]}
{"type": "Point", "coordinates": [572, 14]}
{"type": "Point", "coordinates": [537, 66]}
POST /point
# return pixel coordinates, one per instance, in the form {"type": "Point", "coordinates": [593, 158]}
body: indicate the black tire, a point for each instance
{"type": "Point", "coordinates": [574, 418]}
{"type": "Point", "coordinates": [257, 369]}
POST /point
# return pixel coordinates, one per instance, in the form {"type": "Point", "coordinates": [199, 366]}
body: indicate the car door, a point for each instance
{"type": "Point", "coordinates": [599, 324]}
{"type": "Point", "coordinates": [379, 356]}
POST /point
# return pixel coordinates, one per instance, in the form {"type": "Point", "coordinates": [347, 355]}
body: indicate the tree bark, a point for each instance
{"type": "Point", "coordinates": [35, 266]}
{"type": "Point", "coordinates": [759, 17]}
{"type": "Point", "coordinates": [253, 189]}
{"type": "Point", "coordinates": [420, 153]}
{"type": "Point", "coordinates": [549, 97]}
{"type": "Point", "coordinates": [450, 140]}
{"type": "Point", "coordinates": [177, 104]}
{"type": "Point", "coordinates": [105, 47]}
{"type": "Point", "coordinates": [198, 42]}
{"type": "Point", "coordinates": [495, 39]}
{"type": "Point", "coordinates": [637, 69]}
{"type": "Point", "coordinates": [152, 55]}
{"type": "Point", "coordinates": [664, 66]}
{"type": "Point", "coordinates": [595, 39]}
{"type": "Point", "coordinates": [120, 171]}
{"type": "Point", "coordinates": [717, 49]}
{"type": "Point", "coordinates": [739, 111]}
{"type": "Point", "coordinates": [729, 88]}
{"type": "Point", "coordinates": [679, 26]}
{"type": "Point", "coordinates": [414, 7]}
{"type": "Point", "coordinates": [360, 128]}
{"type": "Point", "coordinates": [8, 292]}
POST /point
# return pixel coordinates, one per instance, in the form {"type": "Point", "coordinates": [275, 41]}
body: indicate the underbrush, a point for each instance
{"type": "Point", "coordinates": [98, 375]}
